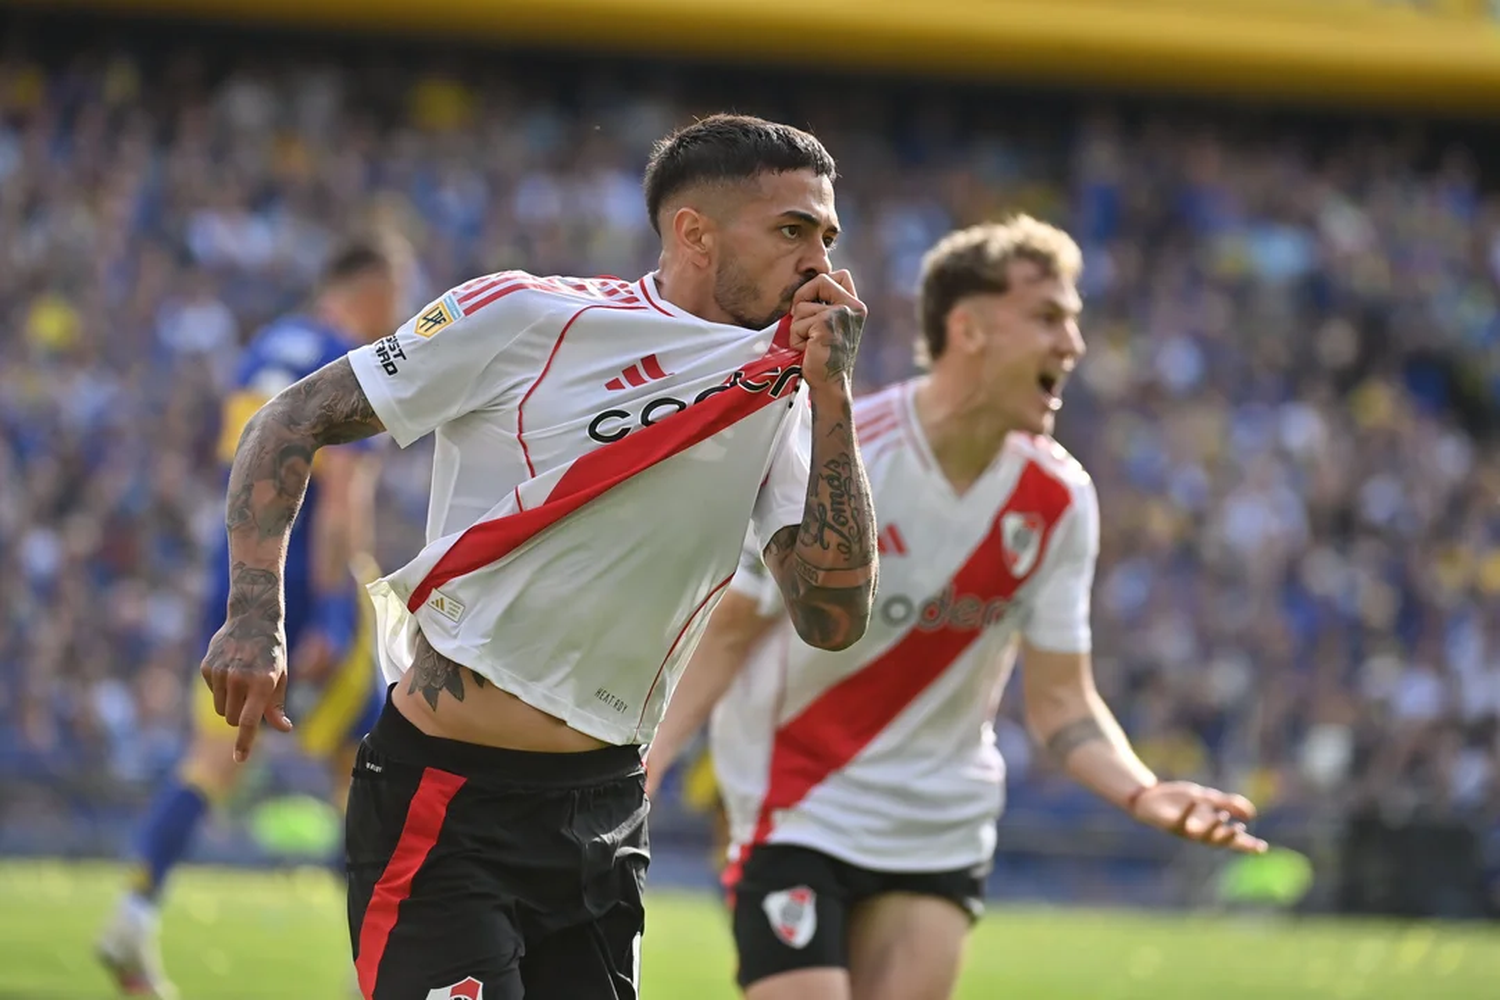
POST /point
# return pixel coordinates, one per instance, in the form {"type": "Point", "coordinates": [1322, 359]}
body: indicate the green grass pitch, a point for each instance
{"type": "Point", "coordinates": [245, 936]}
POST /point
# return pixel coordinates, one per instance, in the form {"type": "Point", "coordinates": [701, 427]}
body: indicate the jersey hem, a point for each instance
{"type": "Point", "coordinates": [396, 629]}
{"type": "Point", "coordinates": [551, 704]}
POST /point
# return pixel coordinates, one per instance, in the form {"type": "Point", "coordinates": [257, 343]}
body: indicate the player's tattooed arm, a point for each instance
{"type": "Point", "coordinates": [272, 464]}
{"type": "Point", "coordinates": [245, 665]}
{"type": "Point", "coordinates": [827, 567]}
{"type": "Point", "coordinates": [433, 674]}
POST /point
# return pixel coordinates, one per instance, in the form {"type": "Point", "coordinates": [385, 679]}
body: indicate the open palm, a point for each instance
{"type": "Point", "coordinates": [1194, 812]}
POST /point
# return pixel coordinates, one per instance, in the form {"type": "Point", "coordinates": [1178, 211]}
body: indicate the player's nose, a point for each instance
{"type": "Point", "coordinates": [1072, 346]}
{"type": "Point", "coordinates": [817, 261]}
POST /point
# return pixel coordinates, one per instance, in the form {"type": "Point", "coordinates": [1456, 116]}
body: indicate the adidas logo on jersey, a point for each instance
{"type": "Point", "coordinates": [648, 369]}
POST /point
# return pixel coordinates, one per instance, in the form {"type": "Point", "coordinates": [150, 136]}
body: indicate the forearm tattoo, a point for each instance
{"type": "Point", "coordinates": [1075, 734]}
{"type": "Point", "coordinates": [275, 453]}
{"type": "Point", "coordinates": [269, 480]}
{"type": "Point", "coordinates": [827, 566]}
{"type": "Point", "coordinates": [252, 631]}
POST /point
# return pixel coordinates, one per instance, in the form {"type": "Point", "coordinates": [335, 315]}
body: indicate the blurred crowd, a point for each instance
{"type": "Point", "coordinates": [1294, 358]}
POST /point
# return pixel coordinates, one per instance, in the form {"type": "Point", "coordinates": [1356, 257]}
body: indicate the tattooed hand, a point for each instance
{"type": "Point", "coordinates": [827, 321]}
{"type": "Point", "coordinates": [246, 661]}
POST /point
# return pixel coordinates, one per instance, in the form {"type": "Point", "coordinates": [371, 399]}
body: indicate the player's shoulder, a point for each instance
{"type": "Point", "coordinates": [879, 411]}
{"type": "Point", "coordinates": [1052, 458]}
{"type": "Point", "coordinates": [508, 293]}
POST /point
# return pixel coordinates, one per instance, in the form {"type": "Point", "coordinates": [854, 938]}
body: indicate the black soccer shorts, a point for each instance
{"type": "Point", "coordinates": [483, 873]}
{"type": "Point", "coordinates": [792, 906]}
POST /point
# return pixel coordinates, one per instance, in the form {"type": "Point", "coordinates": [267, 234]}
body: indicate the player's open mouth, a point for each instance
{"type": "Point", "coordinates": [1051, 387]}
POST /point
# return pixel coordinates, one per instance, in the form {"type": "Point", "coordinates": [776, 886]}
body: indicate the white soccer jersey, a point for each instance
{"type": "Point", "coordinates": [599, 455]}
{"type": "Point", "coordinates": [883, 755]}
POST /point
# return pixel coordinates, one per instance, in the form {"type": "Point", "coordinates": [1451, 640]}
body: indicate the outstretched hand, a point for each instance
{"type": "Point", "coordinates": [1194, 812]}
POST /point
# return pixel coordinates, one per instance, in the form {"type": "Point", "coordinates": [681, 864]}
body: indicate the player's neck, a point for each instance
{"type": "Point", "coordinates": [963, 431]}
{"type": "Point", "coordinates": [675, 286]}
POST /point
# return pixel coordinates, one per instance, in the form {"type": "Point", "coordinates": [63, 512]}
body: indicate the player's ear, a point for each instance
{"type": "Point", "coordinates": [694, 232]}
{"type": "Point", "coordinates": [964, 334]}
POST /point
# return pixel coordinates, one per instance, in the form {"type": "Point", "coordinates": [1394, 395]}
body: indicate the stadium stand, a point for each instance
{"type": "Point", "coordinates": [1288, 406]}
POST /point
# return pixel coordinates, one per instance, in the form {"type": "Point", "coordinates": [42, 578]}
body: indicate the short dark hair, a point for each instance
{"type": "Point", "coordinates": [726, 147]}
{"type": "Point", "coordinates": [976, 261]}
{"type": "Point", "coordinates": [356, 257]}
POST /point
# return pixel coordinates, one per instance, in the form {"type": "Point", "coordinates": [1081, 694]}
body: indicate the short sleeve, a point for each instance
{"type": "Point", "coordinates": [442, 363]}
{"type": "Point", "coordinates": [1061, 607]}
{"type": "Point", "coordinates": [753, 579]}
{"type": "Point", "coordinates": [784, 492]}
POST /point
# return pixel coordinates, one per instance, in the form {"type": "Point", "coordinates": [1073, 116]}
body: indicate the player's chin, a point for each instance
{"type": "Point", "coordinates": [1038, 422]}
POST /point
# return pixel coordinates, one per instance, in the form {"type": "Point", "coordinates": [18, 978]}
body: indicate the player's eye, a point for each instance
{"type": "Point", "coordinates": [830, 242]}
{"type": "Point", "coordinates": [791, 230]}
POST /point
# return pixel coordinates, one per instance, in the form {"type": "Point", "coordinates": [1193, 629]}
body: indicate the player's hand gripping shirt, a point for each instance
{"type": "Point", "coordinates": [884, 754]}
{"type": "Point", "coordinates": [598, 456]}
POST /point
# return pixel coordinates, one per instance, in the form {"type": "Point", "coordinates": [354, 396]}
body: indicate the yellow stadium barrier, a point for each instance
{"type": "Point", "coordinates": [1437, 55]}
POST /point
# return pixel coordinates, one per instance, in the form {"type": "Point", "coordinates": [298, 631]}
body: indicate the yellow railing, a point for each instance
{"type": "Point", "coordinates": [1444, 54]}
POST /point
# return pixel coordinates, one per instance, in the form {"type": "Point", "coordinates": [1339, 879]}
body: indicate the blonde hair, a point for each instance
{"type": "Point", "coordinates": [977, 261]}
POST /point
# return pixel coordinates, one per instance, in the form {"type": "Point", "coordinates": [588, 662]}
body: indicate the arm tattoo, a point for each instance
{"type": "Point", "coordinates": [1075, 734]}
{"type": "Point", "coordinates": [432, 673]}
{"type": "Point", "coordinates": [269, 479]}
{"type": "Point", "coordinates": [827, 566]}
{"type": "Point", "coordinates": [254, 593]}
{"type": "Point", "coordinates": [825, 616]}
{"type": "Point", "coordinates": [274, 457]}
{"type": "Point", "coordinates": [252, 631]}
{"type": "Point", "coordinates": [847, 326]}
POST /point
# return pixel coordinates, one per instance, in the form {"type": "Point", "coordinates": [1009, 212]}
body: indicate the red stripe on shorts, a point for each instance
{"type": "Point", "coordinates": [424, 821]}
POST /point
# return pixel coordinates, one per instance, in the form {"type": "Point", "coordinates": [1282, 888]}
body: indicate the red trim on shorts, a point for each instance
{"type": "Point", "coordinates": [424, 821]}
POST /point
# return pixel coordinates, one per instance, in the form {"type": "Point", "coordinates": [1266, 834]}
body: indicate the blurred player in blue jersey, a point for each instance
{"type": "Point", "coordinates": [328, 630]}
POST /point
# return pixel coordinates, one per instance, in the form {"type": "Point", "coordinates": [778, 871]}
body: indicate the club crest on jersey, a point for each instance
{"type": "Point", "coordinates": [793, 914]}
{"type": "Point", "coordinates": [467, 989]}
{"type": "Point", "coordinates": [1021, 540]}
{"type": "Point", "coordinates": [435, 317]}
